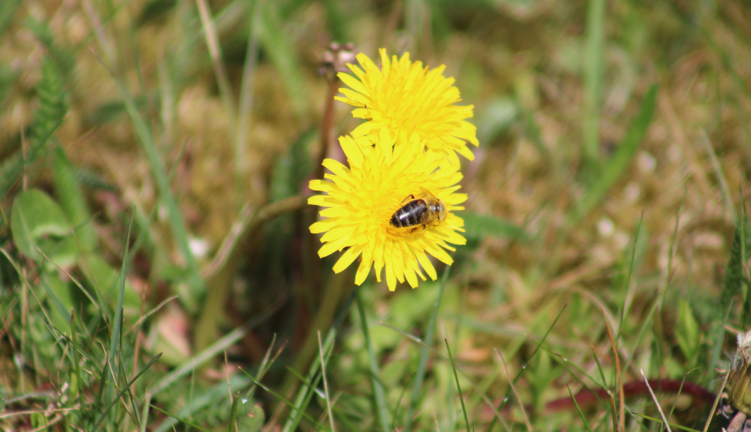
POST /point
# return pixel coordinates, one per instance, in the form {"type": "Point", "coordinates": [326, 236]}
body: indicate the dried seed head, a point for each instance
{"type": "Point", "coordinates": [738, 386]}
{"type": "Point", "coordinates": [335, 59]}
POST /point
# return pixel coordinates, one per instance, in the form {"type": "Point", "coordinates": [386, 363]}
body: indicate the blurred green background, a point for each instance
{"type": "Point", "coordinates": [176, 138]}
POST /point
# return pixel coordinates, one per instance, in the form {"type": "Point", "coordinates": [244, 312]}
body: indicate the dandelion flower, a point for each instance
{"type": "Point", "coordinates": [360, 200]}
{"type": "Point", "coordinates": [407, 98]}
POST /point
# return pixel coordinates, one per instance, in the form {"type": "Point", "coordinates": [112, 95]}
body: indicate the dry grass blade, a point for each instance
{"type": "Point", "coordinates": [716, 401]}
{"type": "Point", "coordinates": [212, 41]}
{"type": "Point", "coordinates": [151, 312]}
{"type": "Point", "coordinates": [513, 388]}
{"type": "Point", "coordinates": [325, 383]}
{"type": "Point", "coordinates": [657, 403]}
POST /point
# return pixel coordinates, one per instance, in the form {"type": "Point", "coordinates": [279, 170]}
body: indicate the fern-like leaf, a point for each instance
{"type": "Point", "coordinates": [733, 280]}
{"type": "Point", "coordinates": [62, 58]}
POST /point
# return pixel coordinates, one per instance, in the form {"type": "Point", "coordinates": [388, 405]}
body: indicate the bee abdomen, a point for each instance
{"type": "Point", "coordinates": [410, 214]}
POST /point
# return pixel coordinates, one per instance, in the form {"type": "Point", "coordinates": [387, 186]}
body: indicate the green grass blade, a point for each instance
{"type": "Point", "coordinates": [420, 374]}
{"type": "Point", "coordinates": [477, 389]}
{"type": "Point", "coordinates": [658, 299]}
{"type": "Point", "coordinates": [178, 419]}
{"type": "Point", "coordinates": [117, 325]}
{"type": "Point", "coordinates": [125, 390]}
{"type": "Point", "coordinates": [375, 377]}
{"type": "Point", "coordinates": [603, 384]}
{"type": "Point", "coordinates": [55, 300]}
{"type": "Point", "coordinates": [203, 400]}
{"type": "Point", "coordinates": [287, 402]}
{"type": "Point", "coordinates": [479, 227]}
{"type": "Point", "coordinates": [305, 394]}
{"type": "Point", "coordinates": [519, 374]}
{"type": "Point", "coordinates": [672, 425]}
{"type": "Point", "coordinates": [219, 346]}
{"type": "Point", "coordinates": [72, 201]}
{"type": "Point", "coordinates": [458, 387]}
{"type": "Point", "coordinates": [593, 72]}
{"type": "Point", "coordinates": [278, 46]}
{"type": "Point", "coordinates": [616, 166]}
{"type": "Point", "coordinates": [581, 414]}
{"type": "Point", "coordinates": [197, 288]}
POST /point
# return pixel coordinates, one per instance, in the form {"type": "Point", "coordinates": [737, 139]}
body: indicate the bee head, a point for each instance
{"type": "Point", "coordinates": [440, 209]}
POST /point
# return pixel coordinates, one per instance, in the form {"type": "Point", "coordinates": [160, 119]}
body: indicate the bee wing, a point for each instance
{"type": "Point", "coordinates": [424, 193]}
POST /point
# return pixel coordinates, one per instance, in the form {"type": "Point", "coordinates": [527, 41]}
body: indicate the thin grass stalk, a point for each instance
{"type": "Point", "coordinates": [420, 374]}
{"type": "Point", "coordinates": [621, 401]}
{"type": "Point", "coordinates": [197, 288]}
{"type": "Point", "coordinates": [246, 99]}
{"type": "Point", "coordinates": [286, 402]}
{"type": "Point", "coordinates": [727, 197]}
{"type": "Point", "coordinates": [677, 395]}
{"type": "Point", "coordinates": [458, 387]}
{"type": "Point", "coordinates": [233, 414]}
{"type": "Point", "coordinates": [716, 401]}
{"type": "Point", "coordinates": [628, 281]}
{"type": "Point", "coordinates": [513, 388]}
{"type": "Point", "coordinates": [380, 398]}
{"type": "Point", "coordinates": [77, 367]}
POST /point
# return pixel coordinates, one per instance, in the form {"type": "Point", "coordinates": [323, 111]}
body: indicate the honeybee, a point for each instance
{"type": "Point", "coordinates": [418, 212]}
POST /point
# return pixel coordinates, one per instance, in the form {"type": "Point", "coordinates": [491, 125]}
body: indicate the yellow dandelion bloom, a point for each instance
{"type": "Point", "coordinates": [360, 200]}
{"type": "Point", "coordinates": [407, 98]}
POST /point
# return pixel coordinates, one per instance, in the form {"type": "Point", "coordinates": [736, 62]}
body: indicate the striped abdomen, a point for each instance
{"type": "Point", "coordinates": [411, 214]}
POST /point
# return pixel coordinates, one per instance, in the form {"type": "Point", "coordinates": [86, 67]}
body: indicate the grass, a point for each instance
{"type": "Point", "coordinates": [157, 272]}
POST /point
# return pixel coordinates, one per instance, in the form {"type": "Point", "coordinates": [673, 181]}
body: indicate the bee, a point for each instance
{"type": "Point", "coordinates": [418, 212]}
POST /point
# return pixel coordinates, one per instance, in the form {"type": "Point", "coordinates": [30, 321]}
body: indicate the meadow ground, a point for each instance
{"type": "Point", "coordinates": [158, 272]}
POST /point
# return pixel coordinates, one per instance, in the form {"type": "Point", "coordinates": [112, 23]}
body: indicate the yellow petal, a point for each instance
{"type": "Point", "coordinates": [347, 258]}
{"type": "Point", "coordinates": [323, 226]}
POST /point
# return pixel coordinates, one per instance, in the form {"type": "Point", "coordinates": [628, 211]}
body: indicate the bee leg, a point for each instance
{"type": "Point", "coordinates": [409, 198]}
